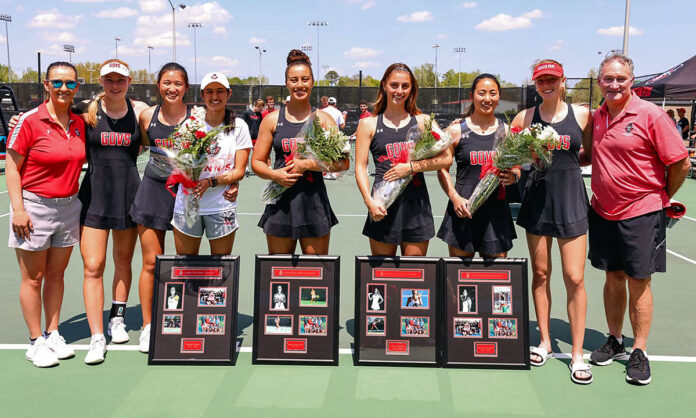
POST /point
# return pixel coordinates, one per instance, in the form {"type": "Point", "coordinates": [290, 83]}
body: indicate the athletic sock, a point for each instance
{"type": "Point", "coordinates": [118, 310]}
{"type": "Point", "coordinates": [620, 339]}
{"type": "Point", "coordinates": [32, 340]}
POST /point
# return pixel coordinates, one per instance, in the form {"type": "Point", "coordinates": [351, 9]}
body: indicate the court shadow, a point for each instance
{"type": "Point", "coordinates": [243, 322]}
{"type": "Point", "coordinates": [350, 327]}
{"type": "Point", "coordinates": [560, 331]}
{"type": "Point", "coordinates": [77, 328]}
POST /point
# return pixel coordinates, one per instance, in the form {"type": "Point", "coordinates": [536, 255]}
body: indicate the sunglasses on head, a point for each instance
{"type": "Point", "coordinates": [59, 83]}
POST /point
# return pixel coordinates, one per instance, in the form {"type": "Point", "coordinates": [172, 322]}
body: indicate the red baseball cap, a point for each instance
{"type": "Point", "coordinates": [547, 68]}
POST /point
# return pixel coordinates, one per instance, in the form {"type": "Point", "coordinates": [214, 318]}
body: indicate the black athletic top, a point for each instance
{"type": "Point", "coordinates": [159, 134]}
{"type": "Point", "coordinates": [113, 142]}
{"type": "Point", "coordinates": [388, 143]}
{"type": "Point", "coordinates": [253, 120]}
{"type": "Point", "coordinates": [566, 156]}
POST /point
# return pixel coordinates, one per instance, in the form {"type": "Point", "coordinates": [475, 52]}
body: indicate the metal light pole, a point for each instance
{"type": "Point", "coordinates": [436, 46]}
{"type": "Point", "coordinates": [149, 62]}
{"type": "Point", "coordinates": [626, 27]}
{"type": "Point", "coordinates": [7, 18]}
{"type": "Point", "coordinates": [117, 39]}
{"type": "Point", "coordinates": [195, 55]}
{"type": "Point", "coordinates": [318, 24]}
{"type": "Point", "coordinates": [69, 49]}
{"type": "Point", "coordinates": [459, 51]}
{"type": "Point", "coordinates": [261, 51]}
{"type": "Point", "coordinates": [182, 6]}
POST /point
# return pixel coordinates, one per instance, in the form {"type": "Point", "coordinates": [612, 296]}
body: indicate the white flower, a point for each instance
{"type": "Point", "coordinates": [548, 134]}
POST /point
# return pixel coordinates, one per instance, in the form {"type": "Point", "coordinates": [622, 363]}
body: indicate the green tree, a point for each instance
{"type": "Point", "coordinates": [29, 75]}
{"type": "Point", "coordinates": [580, 93]}
{"type": "Point", "coordinates": [332, 77]}
{"type": "Point", "coordinates": [3, 74]}
{"type": "Point", "coordinates": [425, 74]}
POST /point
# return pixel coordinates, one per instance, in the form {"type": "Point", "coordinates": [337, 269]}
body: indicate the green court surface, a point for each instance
{"type": "Point", "coordinates": [125, 386]}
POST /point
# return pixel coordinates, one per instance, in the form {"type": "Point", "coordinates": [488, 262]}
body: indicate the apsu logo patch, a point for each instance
{"type": "Point", "coordinates": [214, 148]}
{"type": "Point", "coordinates": [629, 129]}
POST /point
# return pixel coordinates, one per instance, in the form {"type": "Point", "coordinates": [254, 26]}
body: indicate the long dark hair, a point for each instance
{"type": "Point", "coordinates": [410, 105]}
{"type": "Point", "coordinates": [483, 76]}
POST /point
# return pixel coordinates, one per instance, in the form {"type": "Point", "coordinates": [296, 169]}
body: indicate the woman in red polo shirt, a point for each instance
{"type": "Point", "coordinates": [46, 150]}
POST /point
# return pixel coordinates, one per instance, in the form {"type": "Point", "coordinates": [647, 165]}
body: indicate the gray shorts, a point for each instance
{"type": "Point", "coordinates": [215, 226]}
{"type": "Point", "coordinates": [56, 222]}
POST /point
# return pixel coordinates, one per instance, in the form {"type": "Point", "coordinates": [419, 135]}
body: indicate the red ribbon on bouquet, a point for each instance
{"type": "Point", "coordinates": [179, 178]}
{"type": "Point", "coordinates": [488, 167]}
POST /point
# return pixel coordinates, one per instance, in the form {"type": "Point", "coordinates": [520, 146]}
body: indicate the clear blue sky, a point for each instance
{"type": "Point", "coordinates": [502, 37]}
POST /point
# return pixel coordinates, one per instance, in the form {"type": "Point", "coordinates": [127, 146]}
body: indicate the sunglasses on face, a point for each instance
{"type": "Point", "coordinates": [59, 83]}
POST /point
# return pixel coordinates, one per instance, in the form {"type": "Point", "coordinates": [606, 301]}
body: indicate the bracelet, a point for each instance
{"type": "Point", "coordinates": [214, 181]}
{"type": "Point", "coordinates": [517, 176]}
{"type": "Point", "coordinates": [411, 163]}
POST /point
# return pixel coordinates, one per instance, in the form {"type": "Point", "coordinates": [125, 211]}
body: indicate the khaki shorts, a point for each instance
{"type": "Point", "coordinates": [215, 226]}
{"type": "Point", "coordinates": [56, 222]}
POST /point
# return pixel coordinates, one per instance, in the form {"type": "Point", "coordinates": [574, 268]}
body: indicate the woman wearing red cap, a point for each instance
{"type": "Point", "coordinates": [555, 205]}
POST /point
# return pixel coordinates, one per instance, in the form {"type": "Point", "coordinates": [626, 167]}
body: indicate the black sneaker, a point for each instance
{"type": "Point", "coordinates": [604, 355]}
{"type": "Point", "coordinates": [638, 368]}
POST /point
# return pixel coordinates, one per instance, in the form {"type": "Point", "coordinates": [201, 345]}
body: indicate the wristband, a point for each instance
{"type": "Point", "coordinates": [517, 176]}
{"type": "Point", "coordinates": [214, 181]}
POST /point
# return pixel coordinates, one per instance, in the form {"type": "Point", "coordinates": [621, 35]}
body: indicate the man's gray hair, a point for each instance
{"type": "Point", "coordinates": [617, 56]}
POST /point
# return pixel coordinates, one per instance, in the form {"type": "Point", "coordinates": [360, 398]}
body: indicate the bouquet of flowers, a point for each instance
{"type": "Point", "coordinates": [324, 146]}
{"type": "Point", "coordinates": [419, 145]}
{"type": "Point", "coordinates": [532, 145]}
{"type": "Point", "coordinates": [188, 156]}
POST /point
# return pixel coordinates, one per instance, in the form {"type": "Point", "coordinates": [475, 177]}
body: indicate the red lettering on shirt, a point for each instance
{"type": "Point", "coordinates": [289, 144]}
{"type": "Point", "coordinates": [120, 139]}
{"type": "Point", "coordinates": [395, 149]}
{"type": "Point", "coordinates": [563, 142]}
{"type": "Point", "coordinates": [164, 142]}
{"type": "Point", "coordinates": [480, 157]}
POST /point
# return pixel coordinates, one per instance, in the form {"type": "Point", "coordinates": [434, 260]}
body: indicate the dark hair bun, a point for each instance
{"type": "Point", "coordinates": [297, 56]}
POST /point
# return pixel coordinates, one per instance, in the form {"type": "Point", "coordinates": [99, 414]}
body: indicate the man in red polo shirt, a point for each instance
{"type": "Point", "coordinates": [633, 146]}
{"type": "Point", "coordinates": [270, 106]}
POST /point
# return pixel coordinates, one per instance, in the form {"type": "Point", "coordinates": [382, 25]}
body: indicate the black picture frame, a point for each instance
{"type": "Point", "coordinates": [463, 344]}
{"type": "Point", "coordinates": [393, 347]}
{"type": "Point", "coordinates": [314, 341]}
{"type": "Point", "coordinates": [176, 336]}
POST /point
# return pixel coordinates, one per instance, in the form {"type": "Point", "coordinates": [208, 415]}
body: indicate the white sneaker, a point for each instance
{"type": "Point", "coordinates": [97, 349]}
{"type": "Point", "coordinates": [57, 343]}
{"type": "Point", "coordinates": [41, 354]}
{"type": "Point", "coordinates": [117, 330]}
{"type": "Point", "coordinates": [144, 346]}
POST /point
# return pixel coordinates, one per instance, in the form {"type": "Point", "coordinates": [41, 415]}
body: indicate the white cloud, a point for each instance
{"type": "Point", "coordinates": [504, 22]}
{"type": "Point", "coordinates": [365, 64]}
{"type": "Point", "coordinates": [119, 13]}
{"type": "Point", "coordinates": [469, 4]}
{"type": "Point", "coordinates": [58, 36]}
{"type": "Point", "coordinates": [152, 6]}
{"type": "Point", "coordinates": [129, 51]}
{"type": "Point", "coordinates": [558, 45]}
{"type": "Point", "coordinates": [2, 38]}
{"type": "Point", "coordinates": [53, 19]}
{"type": "Point", "coordinates": [256, 41]}
{"type": "Point", "coordinates": [58, 50]}
{"type": "Point", "coordinates": [442, 36]}
{"type": "Point", "coordinates": [357, 53]}
{"type": "Point", "coordinates": [205, 13]}
{"type": "Point", "coordinates": [221, 61]}
{"type": "Point", "coordinates": [618, 31]}
{"type": "Point", "coordinates": [422, 16]}
{"type": "Point", "coordinates": [220, 30]}
{"type": "Point", "coordinates": [367, 5]}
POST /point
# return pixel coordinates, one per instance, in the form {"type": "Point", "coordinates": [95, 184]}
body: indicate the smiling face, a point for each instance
{"type": "Point", "coordinates": [215, 96]}
{"type": "Point", "coordinates": [62, 95]}
{"type": "Point", "coordinates": [485, 96]}
{"type": "Point", "coordinates": [549, 86]}
{"type": "Point", "coordinates": [172, 86]}
{"type": "Point", "coordinates": [397, 88]}
{"type": "Point", "coordinates": [115, 85]}
{"type": "Point", "coordinates": [299, 82]}
{"type": "Point", "coordinates": [363, 108]}
{"type": "Point", "coordinates": [615, 82]}
{"type": "Point", "coordinates": [172, 291]}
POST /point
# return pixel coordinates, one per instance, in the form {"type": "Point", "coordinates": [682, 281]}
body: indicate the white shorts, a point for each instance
{"type": "Point", "coordinates": [215, 225]}
{"type": "Point", "coordinates": [56, 222]}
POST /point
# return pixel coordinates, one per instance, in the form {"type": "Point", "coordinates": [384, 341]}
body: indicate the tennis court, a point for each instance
{"type": "Point", "coordinates": [125, 386]}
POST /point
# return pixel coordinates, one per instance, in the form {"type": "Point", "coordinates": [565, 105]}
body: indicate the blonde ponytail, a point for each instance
{"type": "Point", "coordinates": [92, 109]}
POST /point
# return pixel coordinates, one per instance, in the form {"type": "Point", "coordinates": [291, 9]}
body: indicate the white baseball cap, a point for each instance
{"type": "Point", "coordinates": [214, 77]}
{"type": "Point", "coordinates": [114, 67]}
{"type": "Point", "coordinates": [332, 100]}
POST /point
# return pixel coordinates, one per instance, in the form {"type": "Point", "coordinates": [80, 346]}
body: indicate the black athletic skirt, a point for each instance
{"type": "Point", "coordinates": [153, 205]}
{"type": "Point", "coordinates": [409, 219]}
{"type": "Point", "coordinates": [554, 204]}
{"type": "Point", "coordinates": [489, 231]}
{"type": "Point", "coordinates": [303, 211]}
{"type": "Point", "coordinates": [107, 193]}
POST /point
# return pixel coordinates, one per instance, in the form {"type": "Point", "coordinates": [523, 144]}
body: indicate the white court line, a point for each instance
{"type": "Point", "coordinates": [690, 218]}
{"type": "Point", "coordinates": [340, 215]}
{"type": "Point", "coordinates": [7, 214]}
{"type": "Point", "coordinates": [132, 347]}
{"type": "Point", "coordinates": [3, 192]}
{"type": "Point", "coordinates": [681, 256]}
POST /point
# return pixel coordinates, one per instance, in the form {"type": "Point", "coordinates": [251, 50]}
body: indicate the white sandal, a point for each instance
{"type": "Point", "coordinates": [580, 366]}
{"type": "Point", "coordinates": [541, 352]}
